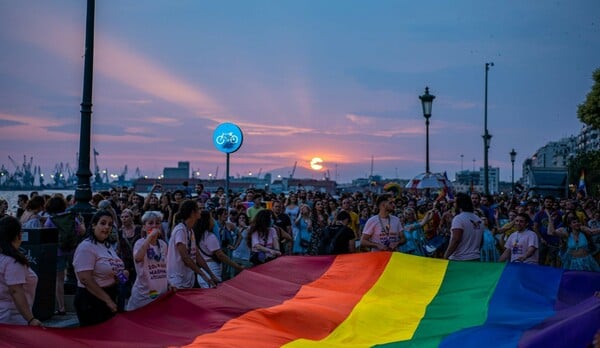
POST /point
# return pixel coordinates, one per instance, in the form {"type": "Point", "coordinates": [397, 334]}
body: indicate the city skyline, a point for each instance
{"type": "Point", "coordinates": [337, 80]}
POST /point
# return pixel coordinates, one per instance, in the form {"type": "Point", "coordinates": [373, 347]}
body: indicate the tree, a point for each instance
{"type": "Point", "coordinates": [589, 111]}
{"type": "Point", "coordinates": [589, 162]}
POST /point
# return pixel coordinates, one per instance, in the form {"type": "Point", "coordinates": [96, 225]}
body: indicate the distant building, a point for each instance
{"type": "Point", "coordinates": [181, 172]}
{"type": "Point", "coordinates": [588, 139]}
{"type": "Point", "coordinates": [493, 179]}
{"type": "Point", "coordinates": [545, 173]}
{"type": "Point", "coordinates": [467, 177]}
{"type": "Point", "coordinates": [555, 154]}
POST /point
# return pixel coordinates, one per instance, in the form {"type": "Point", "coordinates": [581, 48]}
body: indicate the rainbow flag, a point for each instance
{"type": "Point", "coordinates": [360, 300]}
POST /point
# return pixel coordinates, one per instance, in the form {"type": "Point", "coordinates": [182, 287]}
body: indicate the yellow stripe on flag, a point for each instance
{"type": "Point", "coordinates": [392, 309]}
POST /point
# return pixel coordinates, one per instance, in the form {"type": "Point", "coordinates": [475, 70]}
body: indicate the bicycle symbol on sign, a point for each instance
{"type": "Point", "coordinates": [227, 138]}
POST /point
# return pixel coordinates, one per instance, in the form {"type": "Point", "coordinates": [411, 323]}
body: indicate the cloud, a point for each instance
{"type": "Point", "coordinates": [8, 123]}
{"type": "Point", "coordinates": [34, 129]}
{"type": "Point", "coordinates": [57, 34]}
{"type": "Point", "coordinates": [164, 121]}
{"type": "Point", "coordinates": [358, 120]}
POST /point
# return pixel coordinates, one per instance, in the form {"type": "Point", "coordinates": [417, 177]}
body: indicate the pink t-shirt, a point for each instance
{"type": "Point", "coordinates": [96, 257]}
{"type": "Point", "coordinates": [383, 230]}
{"type": "Point", "coordinates": [151, 281]}
{"type": "Point", "coordinates": [268, 243]}
{"type": "Point", "coordinates": [13, 273]}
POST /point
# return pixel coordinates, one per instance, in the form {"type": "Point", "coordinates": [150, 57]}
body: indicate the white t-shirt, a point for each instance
{"type": "Point", "coordinates": [178, 274]}
{"type": "Point", "coordinates": [383, 230]}
{"type": "Point", "coordinates": [96, 257]}
{"type": "Point", "coordinates": [208, 246]}
{"type": "Point", "coordinates": [519, 242]}
{"type": "Point", "coordinates": [470, 244]}
{"type": "Point", "coordinates": [151, 281]}
{"type": "Point", "coordinates": [13, 273]}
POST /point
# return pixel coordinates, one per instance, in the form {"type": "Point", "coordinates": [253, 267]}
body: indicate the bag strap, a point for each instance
{"type": "Point", "coordinates": [211, 256]}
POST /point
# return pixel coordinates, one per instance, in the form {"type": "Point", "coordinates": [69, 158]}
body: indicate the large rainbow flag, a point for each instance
{"type": "Point", "coordinates": [361, 300]}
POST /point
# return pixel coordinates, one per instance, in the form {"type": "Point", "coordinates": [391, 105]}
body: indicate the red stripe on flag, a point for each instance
{"type": "Point", "coordinates": [316, 310]}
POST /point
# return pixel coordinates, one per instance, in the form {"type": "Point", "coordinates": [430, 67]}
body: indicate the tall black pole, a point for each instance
{"type": "Point", "coordinates": [513, 155]}
{"type": "Point", "coordinates": [83, 193]}
{"type": "Point", "coordinates": [426, 103]}
{"type": "Point", "coordinates": [512, 178]}
{"type": "Point", "coordinates": [486, 136]}
{"type": "Point", "coordinates": [427, 144]}
{"type": "Point", "coordinates": [227, 183]}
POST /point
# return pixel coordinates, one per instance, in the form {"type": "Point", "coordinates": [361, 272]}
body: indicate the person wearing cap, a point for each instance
{"type": "Point", "coordinates": [466, 232]}
{"type": "Point", "coordinates": [339, 237]}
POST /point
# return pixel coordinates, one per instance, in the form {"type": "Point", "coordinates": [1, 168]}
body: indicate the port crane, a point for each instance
{"type": "Point", "coordinates": [121, 177]}
{"type": "Point", "coordinates": [97, 175]}
{"type": "Point", "coordinates": [28, 176]}
{"type": "Point", "coordinates": [293, 170]}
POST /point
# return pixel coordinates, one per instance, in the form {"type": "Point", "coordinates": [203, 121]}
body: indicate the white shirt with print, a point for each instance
{"type": "Point", "coordinates": [151, 279]}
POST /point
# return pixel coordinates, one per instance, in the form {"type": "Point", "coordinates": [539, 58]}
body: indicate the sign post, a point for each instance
{"type": "Point", "coordinates": [227, 138]}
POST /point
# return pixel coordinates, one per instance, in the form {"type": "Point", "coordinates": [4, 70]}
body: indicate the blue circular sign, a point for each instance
{"type": "Point", "coordinates": [228, 137]}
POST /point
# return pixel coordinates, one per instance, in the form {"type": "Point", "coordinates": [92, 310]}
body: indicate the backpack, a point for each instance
{"type": "Point", "coordinates": [329, 239]}
{"type": "Point", "coordinates": [65, 224]}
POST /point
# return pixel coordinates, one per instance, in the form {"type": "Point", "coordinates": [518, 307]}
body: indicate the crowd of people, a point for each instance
{"type": "Point", "coordinates": [135, 249]}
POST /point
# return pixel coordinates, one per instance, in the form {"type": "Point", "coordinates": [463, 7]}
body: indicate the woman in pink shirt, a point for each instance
{"type": "Point", "coordinates": [98, 269]}
{"type": "Point", "coordinates": [17, 280]}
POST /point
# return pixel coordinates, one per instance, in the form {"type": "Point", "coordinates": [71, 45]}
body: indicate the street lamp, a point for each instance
{"type": "Point", "coordinates": [513, 155]}
{"type": "Point", "coordinates": [83, 192]}
{"type": "Point", "coordinates": [427, 102]}
{"type": "Point", "coordinates": [487, 137]}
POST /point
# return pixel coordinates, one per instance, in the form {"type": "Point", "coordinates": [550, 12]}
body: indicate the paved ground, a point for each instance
{"type": "Point", "coordinates": [68, 320]}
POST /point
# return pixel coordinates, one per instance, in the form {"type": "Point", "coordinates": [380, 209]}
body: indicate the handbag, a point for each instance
{"type": "Point", "coordinates": [258, 257]}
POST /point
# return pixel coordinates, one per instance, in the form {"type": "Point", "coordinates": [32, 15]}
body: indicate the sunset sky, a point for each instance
{"type": "Point", "coordinates": [336, 79]}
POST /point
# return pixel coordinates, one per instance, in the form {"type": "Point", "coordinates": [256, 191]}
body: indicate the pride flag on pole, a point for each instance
{"type": "Point", "coordinates": [359, 300]}
{"type": "Point", "coordinates": [581, 187]}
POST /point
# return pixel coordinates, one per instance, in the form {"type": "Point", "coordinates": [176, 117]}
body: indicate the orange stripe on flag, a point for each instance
{"type": "Point", "coordinates": [310, 314]}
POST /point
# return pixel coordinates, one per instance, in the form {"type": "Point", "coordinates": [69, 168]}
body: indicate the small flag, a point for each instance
{"type": "Point", "coordinates": [581, 188]}
{"type": "Point", "coordinates": [449, 193]}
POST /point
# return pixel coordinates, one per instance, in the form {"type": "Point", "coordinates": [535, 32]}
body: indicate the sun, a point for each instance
{"type": "Point", "coordinates": [315, 163]}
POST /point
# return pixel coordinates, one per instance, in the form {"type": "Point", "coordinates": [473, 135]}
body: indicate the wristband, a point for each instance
{"type": "Point", "coordinates": [30, 320]}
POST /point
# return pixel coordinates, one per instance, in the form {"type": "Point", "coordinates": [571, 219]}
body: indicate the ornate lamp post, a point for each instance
{"type": "Point", "coordinates": [487, 137]}
{"type": "Point", "coordinates": [83, 193]}
{"type": "Point", "coordinates": [513, 155]}
{"type": "Point", "coordinates": [427, 102]}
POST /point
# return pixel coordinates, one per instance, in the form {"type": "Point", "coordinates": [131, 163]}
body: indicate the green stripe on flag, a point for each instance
{"type": "Point", "coordinates": [461, 302]}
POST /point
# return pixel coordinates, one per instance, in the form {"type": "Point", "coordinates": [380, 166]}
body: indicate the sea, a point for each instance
{"type": "Point", "coordinates": [12, 197]}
